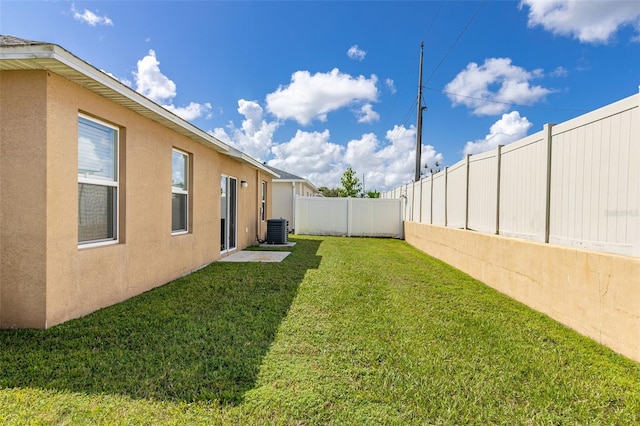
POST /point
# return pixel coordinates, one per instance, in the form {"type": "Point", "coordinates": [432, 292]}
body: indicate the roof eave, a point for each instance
{"type": "Point", "coordinates": [48, 56]}
{"type": "Point", "coordinates": [302, 180]}
{"type": "Point", "coordinates": [255, 163]}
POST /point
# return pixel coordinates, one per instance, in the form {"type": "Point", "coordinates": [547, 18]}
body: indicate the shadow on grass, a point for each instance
{"type": "Point", "coordinates": [199, 338]}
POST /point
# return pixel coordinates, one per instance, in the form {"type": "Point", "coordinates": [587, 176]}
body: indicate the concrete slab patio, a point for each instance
{"type": "Point", "coordinates": [285, 245]}
{"type": "Point", "coordinates": [256, 256]}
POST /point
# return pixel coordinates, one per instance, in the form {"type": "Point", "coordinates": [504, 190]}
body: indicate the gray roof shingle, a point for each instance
{"type": "Point", "coordinates": [9, 40]}
{"type": "Point", "coordinates": [283, 174]}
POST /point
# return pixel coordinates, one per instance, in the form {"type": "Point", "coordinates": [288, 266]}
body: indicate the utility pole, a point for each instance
{"type": "Point", "coordinates": [419, 120]}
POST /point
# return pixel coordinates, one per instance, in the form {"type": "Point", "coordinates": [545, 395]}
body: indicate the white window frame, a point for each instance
{"type": "Point", "coordinates": [181, 191]}
{"type": "Point", "coordinates": [85, 179]}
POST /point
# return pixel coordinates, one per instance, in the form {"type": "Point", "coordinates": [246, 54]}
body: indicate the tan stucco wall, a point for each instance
{"type": "Point", "coordinates": [596, 294]}
{"type": "Point", "coordinates": [81, 280]}
{"type": "Point", "coordinates": [22, 198]}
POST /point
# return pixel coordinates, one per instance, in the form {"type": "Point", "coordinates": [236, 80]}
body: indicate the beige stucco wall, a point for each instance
{"type": "Point", "coordinates": [596, 294]}
{"type": "Point", "coordinates": [63, 281]}
{"type": "Point", "coordinates": [23, 198]}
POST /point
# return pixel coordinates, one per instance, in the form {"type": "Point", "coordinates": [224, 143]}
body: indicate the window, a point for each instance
{"type": "Point", "coordinates": [179, 191]}
{"type": "Point", "coordinates": [97, 181]}
{"type": "Point", "coordinates": [263, 207]}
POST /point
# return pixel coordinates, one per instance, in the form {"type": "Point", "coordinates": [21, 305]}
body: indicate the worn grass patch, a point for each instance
{"type": "Point", "coordinates": [343, 331]}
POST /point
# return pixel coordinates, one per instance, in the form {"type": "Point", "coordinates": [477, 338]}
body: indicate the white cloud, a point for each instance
{"type": "Point", "coordinates": [356, 53]}
{"type": "Point", "coordinates": [191, 111]}
{"type": "Point", "coordinates": [124, 81]}
{"type": "Point", "coordinates": [588, 21]}
{"type": "Point", "coordinates": [510, 128]}
{"type": "Point", "coordinates": [311, 155]}
{"type": "Point", "coordinates": [391, 85]}
{"type": "Point", "coordinates": [90, 18]}
{"type": "Point", "coordinates": [559, 72]}
{"type": "Point", "coordinates": [383, 166]}
{"type": "Point", "coordinates": [367, 114]}
{"type": "Point", "coordinates": [151, 83]}
{"type": "Point", "coordinates": [474, 87]}
{"type": "Point", "coordinates": [315, 157]}
{"type": "Point", "coordinates": [255, 137]}
{"type": "Point", "coordinates": [310, 97]}
{"type": "Point", "coordinates": [388, 165]}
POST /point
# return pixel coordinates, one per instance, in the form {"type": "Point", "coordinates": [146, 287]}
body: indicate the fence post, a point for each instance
{"type": "Point", "coordinates": [349, 216]}
{"type": "Point", "coordinates": [446, 189]}
{"type": "Point", "coordinates": [413, 199]}
{"type": "Point", "coordinates": [548, 136]}
{"type": "Point", "coordinates": [466, 189]}
{"type": "Point", "coordinates": [431, 201]}
{"type": "Point", "coordinates": [498, 167]}
{"type": "Point", "coordinates": [420, 205]}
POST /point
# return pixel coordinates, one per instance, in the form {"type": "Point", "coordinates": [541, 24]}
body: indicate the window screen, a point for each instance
{"type": "Point", "coordinates": [97, 181]}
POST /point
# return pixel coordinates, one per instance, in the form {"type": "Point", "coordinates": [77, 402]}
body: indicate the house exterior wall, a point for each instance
{"type": "Point", "coordinates": [23, 168]}
{"type": "Point", "coordinates": [594, 293]}
{"type": "Point", "coordinates": [283, 201]}
{"type": "Point", "coordinates": [284, 193]}
{"type": "Point", "coordinates": [304, 190]}
{"type": "Point", "coordinates": [46, 278]}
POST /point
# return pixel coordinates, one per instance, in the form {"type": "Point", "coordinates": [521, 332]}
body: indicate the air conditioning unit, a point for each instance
{"type": "Point", "coordinates": [277, 231]}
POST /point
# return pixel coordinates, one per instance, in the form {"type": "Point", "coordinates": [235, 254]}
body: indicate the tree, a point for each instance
{"type": "Point", "coordinates": [433, 170]}
{"type": "Point", "coordinates": [329, 192]}
{"type": "Point", "coordinates": [373, 194]}
{"type": "Point", "coordinates": [351, 186]}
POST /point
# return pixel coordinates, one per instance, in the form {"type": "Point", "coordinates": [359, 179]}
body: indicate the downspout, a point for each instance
{"type": "Point", "coordinates": [293, 206]}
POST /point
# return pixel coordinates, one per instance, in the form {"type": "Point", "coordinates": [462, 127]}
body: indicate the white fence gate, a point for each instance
{"type": "Point", "coordinates": [353, 217]}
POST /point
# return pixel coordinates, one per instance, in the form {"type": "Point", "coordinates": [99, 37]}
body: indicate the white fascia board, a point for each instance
{"type": "Point", "coordinates": [305, 181]}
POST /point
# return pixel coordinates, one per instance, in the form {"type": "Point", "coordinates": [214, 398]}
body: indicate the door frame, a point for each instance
{"type": "Point", "coordinates": [228, 217]}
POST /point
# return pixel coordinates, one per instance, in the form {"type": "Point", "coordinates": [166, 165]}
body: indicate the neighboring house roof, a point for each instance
{"type": "Point", "coordinates": [7, 40]}
{"type": "Point", "coordinates": [21, 54]}
{"type": "Point", "coordinates": [290, 177]}
{"type": "Point", "coordinates": [285, 175]}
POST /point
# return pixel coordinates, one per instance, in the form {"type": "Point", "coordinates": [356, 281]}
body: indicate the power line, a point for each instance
{"type": "Point", "coordinates": [433, 21]}
{"type": "Point", "coordinates": [473, 17]}
{"type": "Point", "coordinates": [413, 107]}
{"type": "Point", "coordinates": [395, 98]}
{"type": "Point", "coordinates": [456, 41]}
{"type": "Point", "coordinates": [410, 113]}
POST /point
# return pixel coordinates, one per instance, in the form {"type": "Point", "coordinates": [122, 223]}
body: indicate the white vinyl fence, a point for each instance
{"type": "Point", "coordinates": [353, 217]}
{"type": "Point", "coordinates": [574, 184]}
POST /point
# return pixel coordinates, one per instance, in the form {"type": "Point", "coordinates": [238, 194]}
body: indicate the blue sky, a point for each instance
{"type": "Point", "coordinates": [315, 87]}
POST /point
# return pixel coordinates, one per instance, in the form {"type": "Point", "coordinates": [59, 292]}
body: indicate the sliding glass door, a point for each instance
{"type": "Point", "coordinates": [228, 213]}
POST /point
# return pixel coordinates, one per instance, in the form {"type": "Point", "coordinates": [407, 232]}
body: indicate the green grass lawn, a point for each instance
{"type": "Point", "coordinates": [343, 331]}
